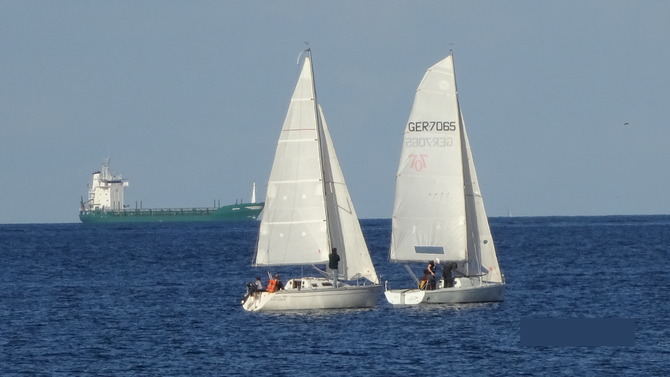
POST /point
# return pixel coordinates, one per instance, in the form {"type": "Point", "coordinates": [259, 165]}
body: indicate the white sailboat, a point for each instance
{"type": "Point", "coordinates": [439, 212]}
{"type": "Point", "coordinates": [308, 212]}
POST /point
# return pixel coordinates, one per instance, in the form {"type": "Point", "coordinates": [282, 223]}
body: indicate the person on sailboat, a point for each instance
{"type": "Point", "coordinates": [275, 284]}
{"type": "Point", "coordinates": [448, 274]}
{"type": "Point", "coordinates": [431, 276]}
{"type": "Point", "coordinates": [333, 264]}
{"type": "Point", "coordinates": [253, 289]}
{"type": "Point", "coordinates": [259, 284]}
{"type": "Point", "coordinates": [424, 280]}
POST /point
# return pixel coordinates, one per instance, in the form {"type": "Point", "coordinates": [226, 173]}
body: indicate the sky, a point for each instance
{"type": "Point", "coordinates": [566, 102]}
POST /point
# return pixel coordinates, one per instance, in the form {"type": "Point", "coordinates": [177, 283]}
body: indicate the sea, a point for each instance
{"type": "Point", "coordinates": [164, 300]}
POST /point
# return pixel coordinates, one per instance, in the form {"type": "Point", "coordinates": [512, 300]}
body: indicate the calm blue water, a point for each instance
{"type": "Point", "coordinates": [163, 300]}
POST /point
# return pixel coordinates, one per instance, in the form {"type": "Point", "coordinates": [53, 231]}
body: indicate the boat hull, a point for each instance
{"type": "Point", "coordinates": [314, 298]}
{"type": "Point", "coordinates": [463, 293]}
{"type": "Point", "coordinates": [237, 212]}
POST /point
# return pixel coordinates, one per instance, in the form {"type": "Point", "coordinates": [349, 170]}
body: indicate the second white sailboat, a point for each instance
{"type": "Point", "coordinates": [439, 213]}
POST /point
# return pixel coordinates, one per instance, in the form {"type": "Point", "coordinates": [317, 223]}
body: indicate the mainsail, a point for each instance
{"type": "Point", "coordinates": [293, 229]}
{"type": "Point", "coordinates": [429, 219]}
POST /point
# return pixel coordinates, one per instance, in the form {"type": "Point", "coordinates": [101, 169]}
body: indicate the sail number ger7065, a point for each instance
{"type": "Point", "coordinates": [431, 126]}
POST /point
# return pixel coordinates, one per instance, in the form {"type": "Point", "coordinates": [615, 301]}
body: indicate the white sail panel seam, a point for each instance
{"type": "Point", "coordinates": [295, 222]}
{"type": "Point", "coordinates": [297, 181]}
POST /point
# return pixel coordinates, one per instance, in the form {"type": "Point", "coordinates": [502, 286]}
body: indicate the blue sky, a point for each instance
{"type": "Point", "coordinates": [187, 98]}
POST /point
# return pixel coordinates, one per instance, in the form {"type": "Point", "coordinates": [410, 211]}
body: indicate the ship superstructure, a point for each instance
{"type": "Point", "coordinates": [106, 190]}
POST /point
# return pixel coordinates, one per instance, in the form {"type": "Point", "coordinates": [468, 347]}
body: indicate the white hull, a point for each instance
{"type": "Point", "coordinates": [312, 293]}
{"type": "Point", "coordinates": [462, 293]}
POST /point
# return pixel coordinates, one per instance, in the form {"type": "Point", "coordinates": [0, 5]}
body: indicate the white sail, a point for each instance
{"type": "Point", "coordinates": [482, 258]}
{"type": "Point", "coordinates": [308, 210]}
{"type": "Point", "coordinates": [346, 232]}
{"type": "Point", "coordinates": [293, 229]}
{"type": "Point", "coordinates": [429, 213]}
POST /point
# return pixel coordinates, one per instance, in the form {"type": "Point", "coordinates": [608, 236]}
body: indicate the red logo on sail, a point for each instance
{"type": "Point", "coordinates": [418, 161]}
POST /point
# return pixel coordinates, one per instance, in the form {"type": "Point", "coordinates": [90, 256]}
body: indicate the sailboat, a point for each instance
{"type": "Point", "coordinates": [308, 212]}
{"type": "Point", "coordinates": [438, 214]}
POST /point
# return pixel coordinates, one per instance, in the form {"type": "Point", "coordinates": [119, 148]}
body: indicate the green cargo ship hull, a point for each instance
{"type": "Point", "coordinates": [236, 212]}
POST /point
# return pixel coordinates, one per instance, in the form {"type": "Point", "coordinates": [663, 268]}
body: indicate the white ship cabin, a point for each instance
{"type": "Point", "coordinates": [311, 283]}
{"type": "Point", "coordinates": [106, 191]}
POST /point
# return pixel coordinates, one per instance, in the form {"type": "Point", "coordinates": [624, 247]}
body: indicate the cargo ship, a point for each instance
{"type": "Point", "coordinates": [106, 204]}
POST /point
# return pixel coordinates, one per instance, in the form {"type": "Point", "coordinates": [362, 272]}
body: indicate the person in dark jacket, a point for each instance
{"type": "Point", "coordinates": [333, 265]}
{"type": "Point", "coordinates": [431, 275]}
{"type": "Point", "coordinates": [448, 274]}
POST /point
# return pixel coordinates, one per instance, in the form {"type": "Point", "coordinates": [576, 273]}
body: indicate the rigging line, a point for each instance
{"type": "Point", "coordinates": [347, 210]}
{"type": "Point", "coordinates": [322, 272]}
{"type": "Point", "coordinates": [411, 273]}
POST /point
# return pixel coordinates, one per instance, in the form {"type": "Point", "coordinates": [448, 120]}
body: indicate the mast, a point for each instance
{"type": "Point", "coordinates": [467, 179]}
{"type": "Point", "coordinates": [333, 225]}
